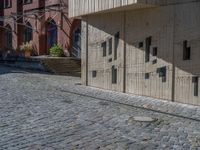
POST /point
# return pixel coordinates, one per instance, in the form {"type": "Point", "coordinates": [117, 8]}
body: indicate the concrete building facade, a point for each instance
{"type": "Point", "coordinates": [144, 47]}
{"type": "Point", "coordinates": [44, 22]}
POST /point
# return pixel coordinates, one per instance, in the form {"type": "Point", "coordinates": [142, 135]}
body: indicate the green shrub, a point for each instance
{"type": "Point", "coordinates": [56, 51]}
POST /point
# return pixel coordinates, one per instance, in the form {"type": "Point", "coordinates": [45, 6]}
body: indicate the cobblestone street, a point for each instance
{"type": "Point", "coordinates": [48, 112]}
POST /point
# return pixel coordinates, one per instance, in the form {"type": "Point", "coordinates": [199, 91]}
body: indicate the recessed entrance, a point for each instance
{"type": "Point", "coordinates": [52, 34]}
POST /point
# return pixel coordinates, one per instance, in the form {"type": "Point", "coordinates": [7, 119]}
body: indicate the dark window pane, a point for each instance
{"type": "Point", "coordinates": [186, 51]}
{"type": "Point", "coordinates": [28, 33]}
{"type": "Point", "coordinates": [110, 46]}
{"type": "Point", "coordinates": [103, 45]}
{"type": "Point", "coordinates": [155, 51]}
{"type": "Point", "coordinates": [94, 74]}
{"type": "Point", "coordinates": [147, 49]}
{"type": "Point", "coordinates": [117, 36]}
{"type": "Point", "coordinates": [196, 85]}
{"type": "Point", "coordinates": [147, 76]}
{"type": "Point", "coordinates": [141, 44]}
{"type": "Point", "coordinates": [162, 73]}
{"type": "Point", "coordinates": [114, 75]}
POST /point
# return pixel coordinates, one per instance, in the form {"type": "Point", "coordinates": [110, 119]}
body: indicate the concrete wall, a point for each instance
{"type": "Point", "coordinates": [187, 28]}
{"type": "Point", "coordinates": [86, 7]}
{"type": "Point", "coordinates": [96, 61]}
{"type": "Point", "coordinates": [157, 23]}
{"type": "Point", "coordinates": [168, 26]}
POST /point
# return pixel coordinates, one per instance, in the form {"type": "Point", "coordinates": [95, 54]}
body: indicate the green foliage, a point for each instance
{"type": "Point", "coordinates": [56, 51]}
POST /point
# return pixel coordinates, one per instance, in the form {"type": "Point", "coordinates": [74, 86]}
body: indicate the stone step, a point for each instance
{"type": "Point", "coordinates": [64, 66]}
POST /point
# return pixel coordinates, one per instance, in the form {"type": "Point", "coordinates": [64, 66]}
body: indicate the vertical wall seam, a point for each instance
{"type": "Point", "coordinates": [124, 66]}
{"type": "Point", "coordinates": [86, 69]}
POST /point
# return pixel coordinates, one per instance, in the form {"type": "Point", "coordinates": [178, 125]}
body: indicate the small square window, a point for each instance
{"type": "Point", "coordinates": [110, 60]}
{"type": "Point", "coordinates": [141, 44]}
{"type": "Point", "coordinates": [154, 61]}
{"type": "Point", "coordinates": [147, 76]}
{"type": "Point", "coordinates": [94, 73]}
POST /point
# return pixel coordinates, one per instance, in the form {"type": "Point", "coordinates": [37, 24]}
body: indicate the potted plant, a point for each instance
{"type": "Point", "coordinates": [27, 48]}
{"type": "Point", "coordinates": [56, 51]}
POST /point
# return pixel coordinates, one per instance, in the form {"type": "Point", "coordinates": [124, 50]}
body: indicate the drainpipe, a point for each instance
{"type": "Point", "coordinates": [173, 55]}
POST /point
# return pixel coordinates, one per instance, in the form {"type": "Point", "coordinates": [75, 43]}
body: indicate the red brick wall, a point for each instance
{"type": "Point", "coordinates": [1, 24]}
{"type": "Point", "coordinates": [39, 24]}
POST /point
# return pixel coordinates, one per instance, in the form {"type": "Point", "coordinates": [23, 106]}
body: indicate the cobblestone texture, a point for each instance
{"type": "Point", "coordinates": [47, 112]}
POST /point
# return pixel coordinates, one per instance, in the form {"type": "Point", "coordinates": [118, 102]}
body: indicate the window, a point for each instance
{"type": "Point", "coordinates": [141, 44]}
{"type": "Point", "coordinates": [52, 33]}
{"type": "Point", "coordinates": [147, 49]}
{"type": "Point", "coordinates": [1, 6]}
{"type": "Point", "coordinates": [186, 51]}
{"type": "Point", "coordinates": [94, 73]}
{"type": "Point", "coordinates": [196, 85]}
{"type": "Point", "coordinates": [147, 76]}
{"type": "Point", "coordinates": [155, 51]}
{"type": "Point", "coordinates": [28, 33]}
{"type": "Point", "coordinates": [103, 45]}
{"type": "Point", "coordinates": [162, 73]}
{"type": "Point", "coordinates": [20, 2]}
{"type": "Point", "coordinates": [154, 61]}
{"type": "Point", "coordinates": [8, 37]}
{"type": "Point", "coordinates": [7, 3]}
{"type": "Point", "coordinates": [27, 1]}
{"type": "Point", "coordinates": [117, 36]}
{"type": "Point", "coordinates": [114, 75]}
{"type": "Point", "coordinates": [110, 46]}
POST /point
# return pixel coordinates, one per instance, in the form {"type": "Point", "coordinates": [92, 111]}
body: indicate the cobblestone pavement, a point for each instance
{"type": "Point", "coordinates": [47, 112]}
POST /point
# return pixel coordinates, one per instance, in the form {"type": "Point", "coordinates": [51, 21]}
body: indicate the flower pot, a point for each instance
{"type": "Point", "coordinates": [27, 54]}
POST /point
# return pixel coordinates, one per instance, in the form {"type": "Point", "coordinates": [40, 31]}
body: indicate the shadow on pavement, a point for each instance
{"type": "Point", "coordinates": [7, 69]}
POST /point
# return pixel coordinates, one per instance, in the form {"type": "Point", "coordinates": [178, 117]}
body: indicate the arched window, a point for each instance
{"type": "Point", "coordinates": [28, 33]}
{"type": "Point", "coordinates": [52, 33]}
{"type": "Point", "coordinates": [8, 37]}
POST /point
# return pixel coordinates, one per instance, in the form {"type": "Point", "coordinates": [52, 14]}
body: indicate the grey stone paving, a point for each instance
{"type": "Point", "coordinates": [47, 112]}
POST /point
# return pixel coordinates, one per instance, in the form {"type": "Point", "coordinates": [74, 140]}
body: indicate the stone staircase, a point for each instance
{"type": "Point", "coordinates": [56, 65]}
{"type": "Point", "coordinates": [63, 66]}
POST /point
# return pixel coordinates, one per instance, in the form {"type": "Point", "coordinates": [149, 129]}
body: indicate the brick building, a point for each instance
{"type": "Point", "coordinates": [44, 22]}
{"type": "Point", "coordinates": [144, 47]}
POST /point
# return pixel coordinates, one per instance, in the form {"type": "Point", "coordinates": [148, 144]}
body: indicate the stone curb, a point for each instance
{"type": "Point", "coordinates": [161, 106]}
